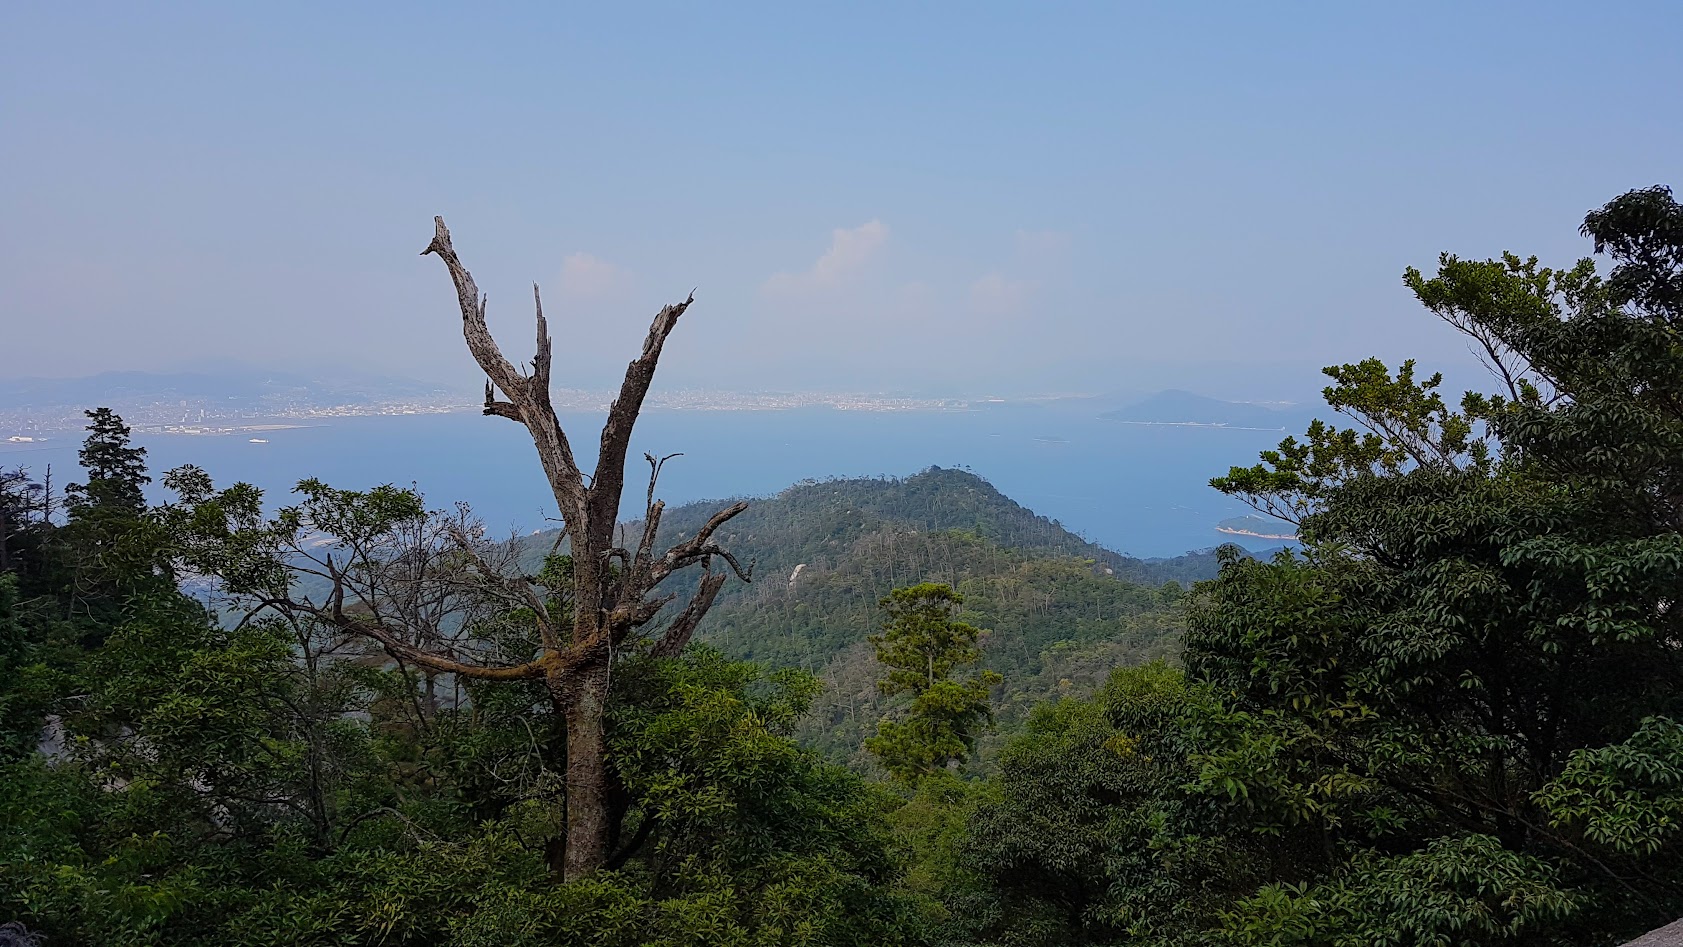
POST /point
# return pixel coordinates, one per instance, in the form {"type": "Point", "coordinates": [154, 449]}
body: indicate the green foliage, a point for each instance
{"type": "Point", "coordinates": [116, 471]}
{"type": "Point", "coordinates": [23, 698]}
{"type": "Point", "coordinates": [1089, 837]}
{"type": "Point", "coordinates": [1465, 890]}
{"type": "Point", "coordinates": [1452, 720]}
{"type": "Point", "coordinates": [722, 792]}
{"type": "Point", "coordinates": [1626, 797]}
{"type": "Point", "coordinates": [110, 554]}
{"type": "Point", "coordinates": [1480, 639]}
{"type": "Point", "coordinates": [23, 521]}
{"type": "Point", "coordinates": [184, 834]}
{"type": "Point", "coordinates": [1058, 626]}
{"type": "Point", "coordinates": [921, 644]}
{"type": "Point", "coordinates": [258, 781]}
{"type": "Point", "coordinates": [1405, 425]}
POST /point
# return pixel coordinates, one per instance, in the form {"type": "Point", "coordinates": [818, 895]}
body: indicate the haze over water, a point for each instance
{"type": "Point", "coordinates": [1139, 489]}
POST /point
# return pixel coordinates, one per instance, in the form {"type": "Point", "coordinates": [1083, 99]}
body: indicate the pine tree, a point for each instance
{"type": "Point", "coordinates": [922, 644]}
{"type": "Point", "coordinates": [116, 471]}
{"type": "Point", "coordinates": [114, 550]}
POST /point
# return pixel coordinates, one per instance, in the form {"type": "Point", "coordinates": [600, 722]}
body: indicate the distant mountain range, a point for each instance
{"type": "Point", "coordinates": [236, 384]}
{"type": "Point", "coordinates": [1184, 407]}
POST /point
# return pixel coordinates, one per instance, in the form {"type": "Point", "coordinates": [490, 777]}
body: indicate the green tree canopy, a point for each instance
{"type": "Point", "coordinates": [115, 469]}
{"type": "Point", "coordinates": [1481, 641]}
{"type": "Point", "coordinates": [921, 645]}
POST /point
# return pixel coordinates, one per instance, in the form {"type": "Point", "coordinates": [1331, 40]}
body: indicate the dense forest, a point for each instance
{"type": "Point", "coordinates": [343, 717]}
{"type": "Point", "coordinates": [1057, 612]}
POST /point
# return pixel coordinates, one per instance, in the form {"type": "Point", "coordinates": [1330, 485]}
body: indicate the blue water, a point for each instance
{"type": "Point", "coordinates": [1135, 488]}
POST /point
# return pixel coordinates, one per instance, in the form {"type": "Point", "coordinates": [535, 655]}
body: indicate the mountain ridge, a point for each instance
{"type": "Point", "coordinates": [1175, 406]}
{"type": "Point", "coordinates": [1059, 612]}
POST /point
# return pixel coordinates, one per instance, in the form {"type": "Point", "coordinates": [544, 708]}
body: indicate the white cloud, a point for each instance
{"type": "Point", "coordinates": [584, 275]}
{"type": "Point", "coordinates": [995, 294]}
{"type": "Point", "coordinates": [850, 251]}
{"type": "Point", "coordinates": [1035, 264]}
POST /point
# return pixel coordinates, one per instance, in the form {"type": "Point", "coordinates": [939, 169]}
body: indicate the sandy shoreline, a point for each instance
{"type": "Point", "coordinates": [1245, 532]}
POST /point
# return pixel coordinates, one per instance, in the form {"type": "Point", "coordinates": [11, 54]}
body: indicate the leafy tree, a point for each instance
{"type": "Point", "coordinates": [206, 833]}
{"type": "Point", "coordinates": [67, 585]}
{"type": "Point", "coordinates": [1089, 835]}
{"type": "Point", "coordinates": [922, 644]}
{"type": "Point", "coordinates": [116, 471]}
{"type": "Point", "coordinates": [110, 554]}
{"type": "Point", "coordinates": [1479, 649]}
{"type": "Point", "coordinates": [1455, 890]}
{"type": "Point", "coordinates": [22, 519]}
{"type": "Point", "coordinates": [19, 721]}
{"type": "Point", "coordinates": [1452, 719]}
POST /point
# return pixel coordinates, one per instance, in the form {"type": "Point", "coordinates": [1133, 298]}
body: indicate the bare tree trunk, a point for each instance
{"type": "Point", "coordinates": [585, 703]}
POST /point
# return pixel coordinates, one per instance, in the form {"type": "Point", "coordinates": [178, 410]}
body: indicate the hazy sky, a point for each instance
{"type": "Point", "coordinates": [957, 197]}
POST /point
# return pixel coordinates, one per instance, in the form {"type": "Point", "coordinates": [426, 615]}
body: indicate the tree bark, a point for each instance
{"type": "Point", "coordinates": [584, 700]}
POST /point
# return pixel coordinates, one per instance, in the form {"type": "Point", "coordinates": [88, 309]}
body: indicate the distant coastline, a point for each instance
{"type": "Point", "coordinates": [205, 430]}
{"type": "Point", "coordinates": [1255, 535]}
{"type": "Point", "coordinates": [1218, 425]}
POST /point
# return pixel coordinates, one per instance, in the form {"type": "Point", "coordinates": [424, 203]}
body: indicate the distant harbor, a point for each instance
{"type": "Point", "coordinates": [204, 430]}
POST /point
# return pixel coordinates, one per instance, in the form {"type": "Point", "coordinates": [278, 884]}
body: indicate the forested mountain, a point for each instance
{"type": "Point", "coordinates": [1058, 612]}
{"type": "Point", "coordinates": [820, 523]}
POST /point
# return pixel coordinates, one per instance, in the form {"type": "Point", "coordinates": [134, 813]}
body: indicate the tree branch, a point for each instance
{"type": "Point", "coordinates": [479, 340]}
{"type": "Point", "coordinates": [502, 409]}
{"type": "Point", "coordinates": [678, 633]}
{"type": "Point", "coordinates": [518, 585]}
{"type": "Point", "coordinates": [528, 397]}
{"type": "Point", "coordinates": [700, 547]}
{"type": "Point", "coordinates": [541, 361]}
{"type": "Point", "coordinates": [609, 481]}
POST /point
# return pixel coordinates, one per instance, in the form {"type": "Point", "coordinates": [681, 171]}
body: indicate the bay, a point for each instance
{"type": "Point", "coordinates": [1141, 489]}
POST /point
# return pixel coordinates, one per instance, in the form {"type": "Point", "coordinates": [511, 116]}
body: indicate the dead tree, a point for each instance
{"type": "Point", "coordinates": [616, 591]}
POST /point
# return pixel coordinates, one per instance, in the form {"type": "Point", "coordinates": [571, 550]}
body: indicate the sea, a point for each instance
{"type": "Point", "coordinates": [1141, 489]}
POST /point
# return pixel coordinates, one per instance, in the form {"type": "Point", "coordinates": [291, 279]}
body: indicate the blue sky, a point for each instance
{"type": "Point", "coordinates": [955, 197]}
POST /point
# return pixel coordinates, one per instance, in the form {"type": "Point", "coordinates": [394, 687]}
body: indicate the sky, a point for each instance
{"type": "Point", "coordinates": [942, 198]}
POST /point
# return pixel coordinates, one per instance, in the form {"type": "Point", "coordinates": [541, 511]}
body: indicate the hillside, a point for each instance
{"type": "Point", "coordinates": [814, 521]}
{"type": "Point", "coordinates": [1059, 612]}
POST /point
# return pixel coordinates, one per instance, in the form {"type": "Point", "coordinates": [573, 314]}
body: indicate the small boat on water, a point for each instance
{"type": "Point", "coordinates": [258, 440]}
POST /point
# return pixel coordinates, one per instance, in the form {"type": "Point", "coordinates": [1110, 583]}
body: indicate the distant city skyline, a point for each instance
{"type": "Point", "coordinates": [1092, 197]}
